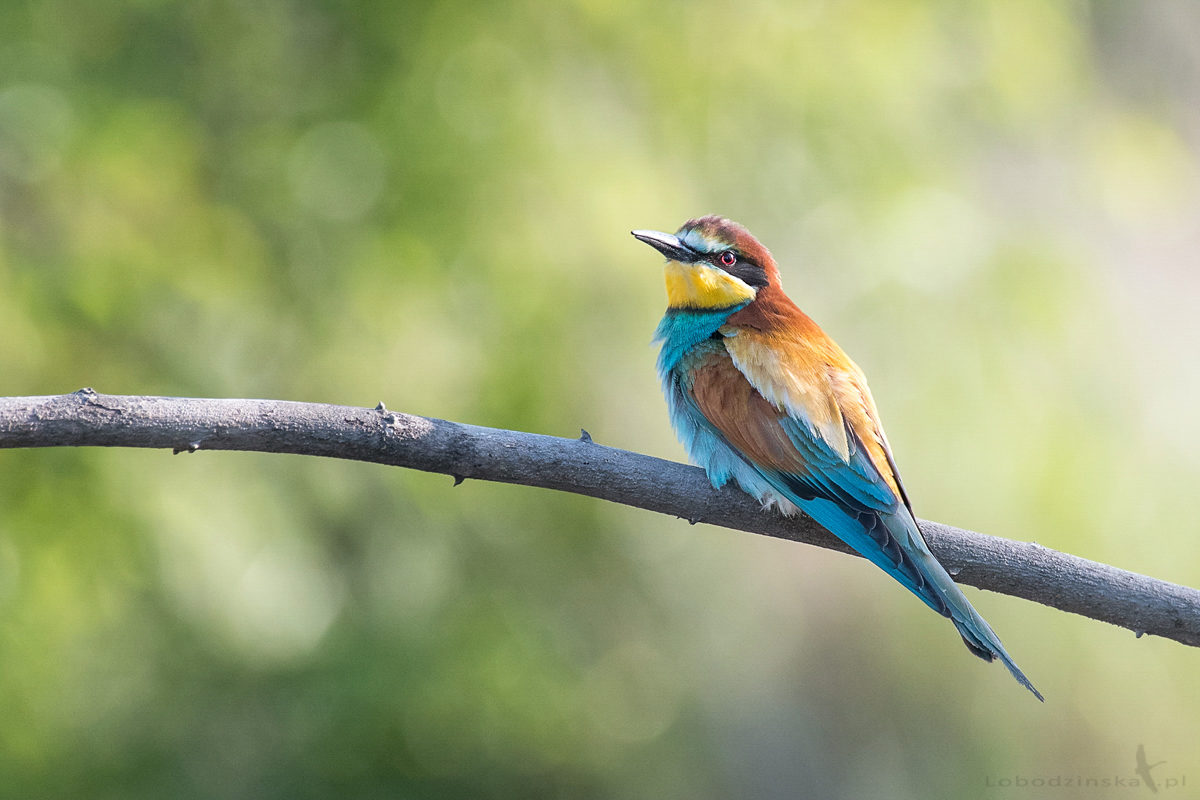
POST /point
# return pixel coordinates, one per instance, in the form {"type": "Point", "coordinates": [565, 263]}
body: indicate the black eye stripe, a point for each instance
{"type": "Point", "coordinates": [749, 272]}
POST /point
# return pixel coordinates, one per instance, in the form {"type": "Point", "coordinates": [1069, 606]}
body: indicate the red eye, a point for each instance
{"type": "Point", "coordinates": [728, 258]}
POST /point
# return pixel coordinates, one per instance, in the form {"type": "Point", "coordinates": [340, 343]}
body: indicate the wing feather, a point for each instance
{"type": "Point", "coordinates": [848, 496]}
{"type": "Point", "coordinates": [788, 450]}
{"type": "Point", "coordinates": [813, 382]}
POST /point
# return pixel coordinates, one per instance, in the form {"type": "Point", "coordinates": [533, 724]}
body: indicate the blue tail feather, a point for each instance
{"type": "Point", "coordinates": [905, 556]}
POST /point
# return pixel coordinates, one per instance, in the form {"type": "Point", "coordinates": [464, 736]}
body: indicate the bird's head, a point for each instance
{"type": "Point", "coordinates": [712, 263]}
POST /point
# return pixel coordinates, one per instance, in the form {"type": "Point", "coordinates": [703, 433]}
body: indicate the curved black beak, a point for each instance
{"type": "Point", "coordinates": [668, 244]}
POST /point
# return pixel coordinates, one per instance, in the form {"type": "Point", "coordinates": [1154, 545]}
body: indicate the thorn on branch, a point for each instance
{"type": "Point", "coordinates": [381, 408]}
{"type": "Point", "coordinates": [190, 447]}
{"type": "Point", "coordinates": [584, 436]}
{"type": "Point", "coordinates": [88, 396]}
{"type": "Point", "coordinates": [458, 479]}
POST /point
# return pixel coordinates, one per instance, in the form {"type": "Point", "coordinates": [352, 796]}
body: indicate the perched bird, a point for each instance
{"type": "Point", "coordinates": [759, 394]}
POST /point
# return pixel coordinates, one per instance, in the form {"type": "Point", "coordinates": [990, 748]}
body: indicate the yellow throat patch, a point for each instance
{"type": "Point", "coordinates": [701, 285]}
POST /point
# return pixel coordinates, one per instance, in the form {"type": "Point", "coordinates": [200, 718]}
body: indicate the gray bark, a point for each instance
{"type": "Point", "coordinates": [85, 418]}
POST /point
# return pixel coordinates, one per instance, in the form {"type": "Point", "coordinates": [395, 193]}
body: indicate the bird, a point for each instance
{"type": "Point", "coordinates": [759, 394]}
{"type": "Point", "coordinates": [1144, 767]}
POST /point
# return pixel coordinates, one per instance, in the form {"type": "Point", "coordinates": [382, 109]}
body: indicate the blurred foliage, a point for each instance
{"type": "Point", "coordinates": [995, 206]}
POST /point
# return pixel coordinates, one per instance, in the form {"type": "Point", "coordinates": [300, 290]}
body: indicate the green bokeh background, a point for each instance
{"type": "Point", "coordinates": [994, 206]}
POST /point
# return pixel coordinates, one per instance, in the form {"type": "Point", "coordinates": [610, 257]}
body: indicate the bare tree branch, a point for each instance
{"type": "Point", "coordinates": [1066, 582]}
